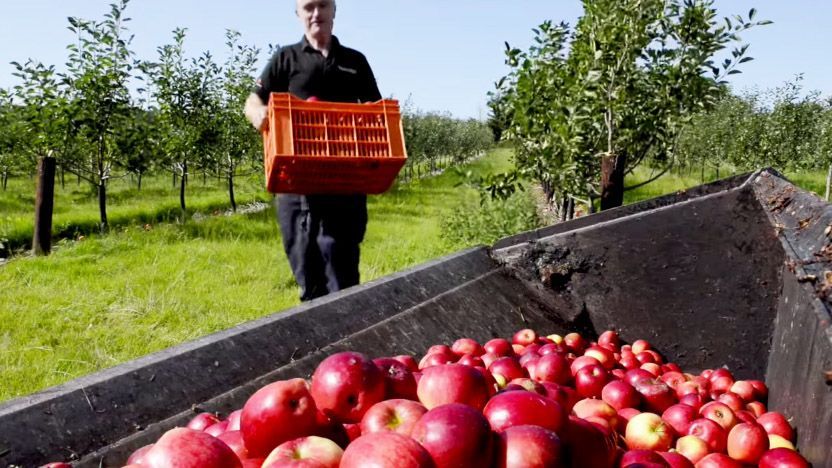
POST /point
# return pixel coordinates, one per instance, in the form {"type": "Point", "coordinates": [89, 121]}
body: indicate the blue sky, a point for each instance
{"type": "Point", "coordinates": [442, 54]}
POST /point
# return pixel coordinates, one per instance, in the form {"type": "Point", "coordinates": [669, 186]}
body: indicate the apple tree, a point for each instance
{"type": "Point", "coordinates": [589, 104]}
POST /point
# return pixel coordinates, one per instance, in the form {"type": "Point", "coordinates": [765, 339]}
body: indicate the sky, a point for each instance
{"type": "Point", "coordinates": [438, 55]}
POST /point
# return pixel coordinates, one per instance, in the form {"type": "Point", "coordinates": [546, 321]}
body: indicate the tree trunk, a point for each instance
{"type": "Point", "coordinates": [564, 208]}
{"type": "Point", "coordinates": [828, 181]}
{"type": "Point", "coordinates": [571, 211]}
{"type": "Point", "coordinates": [231, 189]}
{"type": "Point", "coordinates": [44, 203]}
{"type": "Point", "coordinates": [140, 181]}
{"type": "Point", "coordinates": [184, 180]}
{"type": "Point", "coordinates": [612, 180]}
{"type": "Point", "coordinates": [5, 179]}
{"type": "Point", "coordinates": [102, 204]}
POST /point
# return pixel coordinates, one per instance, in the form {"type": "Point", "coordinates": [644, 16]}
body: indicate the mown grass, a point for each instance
{"type": "Point", "coordinates": [76, 205]}
{"type": "Point", "coordinates": [107, 299]}
{"type": "Point", "coordinates": [813, 181]}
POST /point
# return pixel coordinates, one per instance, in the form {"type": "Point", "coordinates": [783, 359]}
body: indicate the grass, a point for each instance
{"type": "Point", "coordinates": [76, 205]}
{"type": "Point", "coordinates": [107, 299]}
{"type": "Point", "coordinates": [813, 181]}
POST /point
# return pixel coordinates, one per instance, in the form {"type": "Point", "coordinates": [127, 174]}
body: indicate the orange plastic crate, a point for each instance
{"type": "Point", "coordinates": [332, 147]}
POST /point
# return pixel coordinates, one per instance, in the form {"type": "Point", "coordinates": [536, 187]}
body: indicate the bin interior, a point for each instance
{"type": "Point", "coordinates": [731, 274]}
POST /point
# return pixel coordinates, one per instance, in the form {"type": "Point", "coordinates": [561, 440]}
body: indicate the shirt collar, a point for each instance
{"type": "Point", "coordinates": [307, 47]}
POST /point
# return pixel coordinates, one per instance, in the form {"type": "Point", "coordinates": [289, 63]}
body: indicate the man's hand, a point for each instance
{"type": "Point", "coordinates": [256, 112]}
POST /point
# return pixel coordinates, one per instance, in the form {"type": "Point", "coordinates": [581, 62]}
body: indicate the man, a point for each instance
{"type": "Point", "coordinates": [321, 233]}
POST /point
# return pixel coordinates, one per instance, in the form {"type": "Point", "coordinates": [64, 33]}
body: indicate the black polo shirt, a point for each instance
{"type": "Point", "coordinates": [343, 76]}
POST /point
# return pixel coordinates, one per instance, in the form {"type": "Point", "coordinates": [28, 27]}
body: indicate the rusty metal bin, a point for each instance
{"type": "Point", "coordinates": [734, 273]}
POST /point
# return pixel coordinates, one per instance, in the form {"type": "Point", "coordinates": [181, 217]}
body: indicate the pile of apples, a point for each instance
{"type": "Point", "coordinates": [532, 401]}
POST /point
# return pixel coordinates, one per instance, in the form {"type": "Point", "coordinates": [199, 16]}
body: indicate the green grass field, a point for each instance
{"type": "Point", "coordinates": [76, 205]}
{"type": "Point", "coordinates": [104, 300]}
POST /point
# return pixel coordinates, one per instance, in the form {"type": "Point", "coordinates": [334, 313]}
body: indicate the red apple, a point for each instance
{"type": "Point", "coordinates": [590, 381]}
{"type": "Point", "coordinates": [732, 400]}
{"type": "Point", "coordinates": [353, 431]}
{"type": "Point", "coordinates": [346, 384]}
{"type": "Point", "coordinates": [603, 355]}
{"type": "Point", "coordinates": [692, 447]}
{"type": "Point", "coordinates": [692, 399]}
{"type": "Point", "coordinates": [234, 440]}
{"type": "Point", "coordinates": [747, 442]}
{"type": "Point", "coordinates": [396, 415]}
{"type": "Point", "coordinates": [471, 360]}
{"type": "Point", "coordinates": [187, 448]}
{"type": "Point", "coordinates": [756, 408]}
{"type": "Point", "coordinates": [278, 412]}
{"type": "Point", "coordinates": [619, 394]}
{"type": "Point", "coordinates": [518, 408]}
{"type": "Point", "coordinates": [634, 375]}
{"type": "Point", "coordinates": [648, 431]}
{"type": "Point", "coordinates": [679, 417]}
{"type": "Point", "coordinates": [436, 359]}
{"type": "Point", "coordinates": [527, 447]}
{"type": "Point", "coordinates": [745, 416]}
{"type": "Point", "coordinates": [744, 390]}
{"type": "Point", "coordinates": [553, 367]}
{"type": "Point", "coordinates": [455, 435]}
{"type": "Point", "coordinates": [782, 458]}
{"type": "Point", "coordinates": [508, 367]}
{"type": "Point", "coordinates": [719, 413]}
{"type": "Point", "coordinates": [646, 358]}
{"type": "Point", "coordinates": [499, 347]}
{"type": "Point", "coordinates": [673, 379]}
{"type": "Point", "coordinates": [137, 457]}
{"type": "Point", "coordinates": [775, 441]}
{"type": "Point", "coordinates": [465, 346]}
{"type": "Point", "coordinates": [247, 463]}
{"type": "Point", "coordinates": [488, 359]}
{"type": "Point", "coordinates": [654, 369]}
{"type": "Point", "coordinates": [640, 345]}
{"type": "Point", "coordinates": [234, 420]}
{"type": "Point", "coordinates": [524, 337]}
{"type": "Point", "coordinates": [718, 460]}
{"type": "Point", "coordinates": [656, 394]}
{"type": "Point", "coordinates": [775, 423]}
{"type": "Point", "coordinates": [202, 421]}
{"type": "Point", "coordinates": [712, 433]}
{"type": "Point", "coordinates": [610, 340]}
{"type": "Point", "coordinates": [408, 361]}
{"type": "Point", "coordinates": [565, 396]}
{"type": "Point", "coordinates": [675, 460]}
{"type": "Point", "coordinates": [581, 362]}
{"type": "Point", "coordinates": [760, 390]}
{"type": "Point", "coordinates": [526, 384]}
{"type": "Point", "coordinates": [553, 348]}
{"type": "Point", "coordinates": [575, 342]}
{"type": "Point", "coordinates": [383, 449]}
{"type": "Point", "coordinates": [640, 456]}
{"type": "Point", "coordinates": [629, 362]}
{"type": "Point", "coordinates": [589, 407]}
{"type": "Point", "coordinates": [452, 383]}
{"type": "Point", "coordinates": [399, 380]}
{"type": "Point", "coordinates": [587, 445]}
{"type": "Point", "coordinates": [310, 452]}
{"type": "Point", "coordinates": [217, 429]}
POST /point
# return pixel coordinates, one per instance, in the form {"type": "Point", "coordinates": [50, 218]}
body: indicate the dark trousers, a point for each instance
{"type": "Point", "coordinates": [321, 237]}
